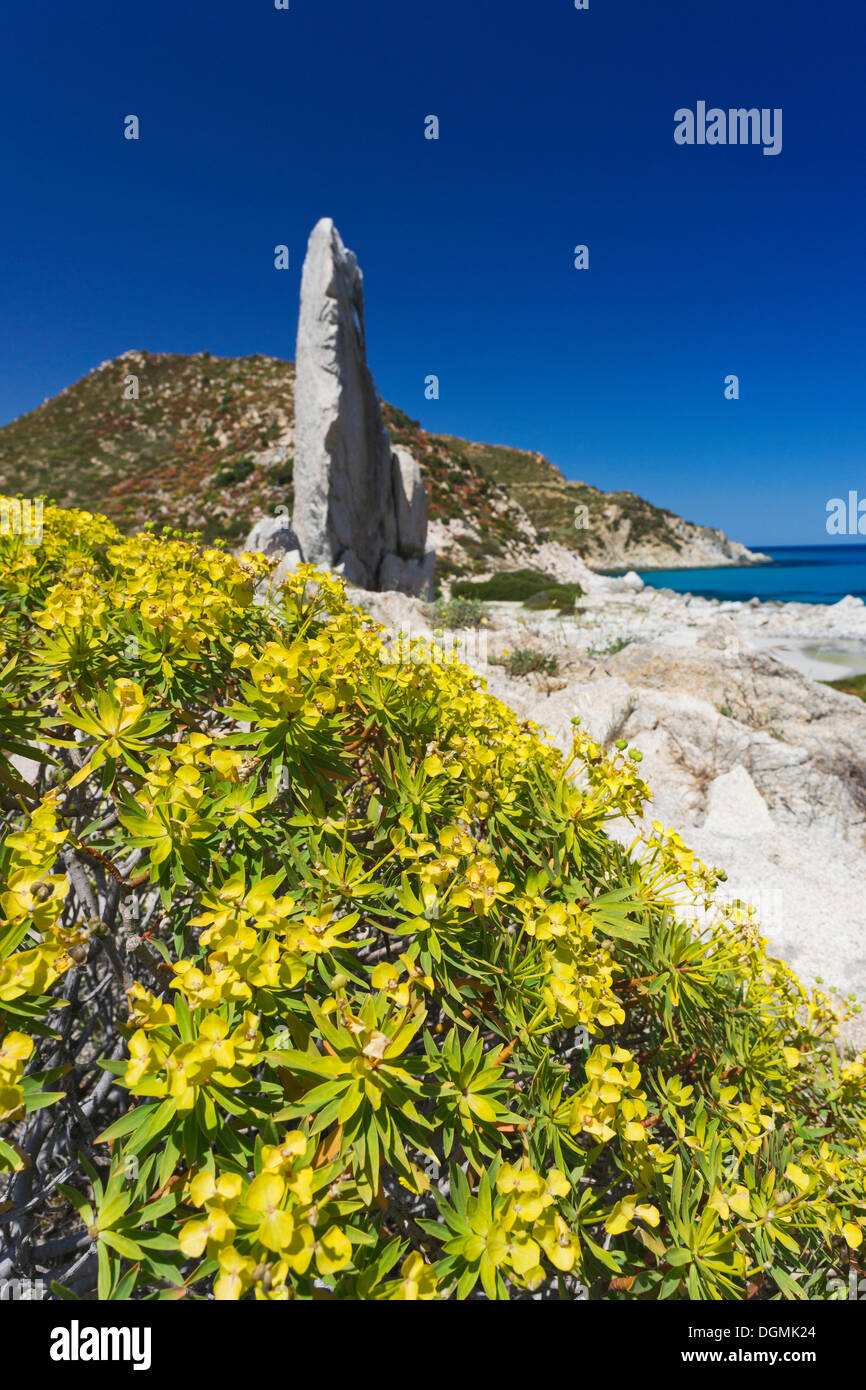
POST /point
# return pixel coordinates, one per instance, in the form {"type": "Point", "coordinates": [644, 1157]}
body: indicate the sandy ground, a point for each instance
{"type": "Point", "coordinates": [821, 663]}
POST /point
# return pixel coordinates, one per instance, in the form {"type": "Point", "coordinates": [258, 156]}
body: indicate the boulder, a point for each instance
{"type": "Point", "coordinates": [735, 806]}
{"type": "Point", "coordinates": [273, 536]}
{"type": "Point", "coordinates": [288, 564]}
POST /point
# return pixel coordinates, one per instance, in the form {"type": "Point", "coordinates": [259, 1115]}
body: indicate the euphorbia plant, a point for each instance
{"type": "Point", "coordinates": [321, 975]}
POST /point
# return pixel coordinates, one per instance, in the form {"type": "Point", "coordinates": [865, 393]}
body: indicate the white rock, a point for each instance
{"type": "Point", "coordinates": [359, 508]}
{"type": "Point", "coordinates": [411, 504]}
{"type": "Point", "coordinates": [27, 768]}
{"type": "Point", "coordinates": [773, 790]}
{"type": "Point", "coordinates": [736, 807]}
{"type": "Point", "coordinates": [602, 707]}
{"type": "Point", "coordinates": [272, 536]}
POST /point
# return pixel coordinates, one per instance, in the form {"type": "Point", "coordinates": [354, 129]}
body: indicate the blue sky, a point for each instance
{"type": "Point", "coordinates": [556, 129]}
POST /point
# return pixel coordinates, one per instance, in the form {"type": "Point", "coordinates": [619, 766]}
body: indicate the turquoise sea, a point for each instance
{"type": "Point", "coordinates": [798, 574]}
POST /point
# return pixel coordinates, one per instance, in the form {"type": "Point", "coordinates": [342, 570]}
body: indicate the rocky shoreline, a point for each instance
{"type": "Point", "coordinates": [761, 769]}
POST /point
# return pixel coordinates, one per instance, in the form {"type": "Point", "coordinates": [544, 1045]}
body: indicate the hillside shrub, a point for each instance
{"type": "Point", "coordinates": [283, 473]}
{"type": "Point", "coordinates": [560, 596]}
{"type": "Point", "coordinates": [509, 586]}
{"type": "Point", "coordinates": [617, 644]}
{"type": "Point", "coordinates": [457, 613]}
{"type": "Point", "coordinates": [236, 472]}
{"type": "Point", "coordinates": [524, 661]}
{"type": "Point", "coordinates": [321, 977]}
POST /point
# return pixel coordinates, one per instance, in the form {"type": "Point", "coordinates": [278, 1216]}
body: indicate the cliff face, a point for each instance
{"type": "Point", "coordinates": [208, 444]}
{"type": "Point", "coordinates": [607, 530]}
{"type": "Point", "coordinates": [677, 545]}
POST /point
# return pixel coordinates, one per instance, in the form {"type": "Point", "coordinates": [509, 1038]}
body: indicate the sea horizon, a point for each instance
{"type": "Point", "coordinates": [822, 574]}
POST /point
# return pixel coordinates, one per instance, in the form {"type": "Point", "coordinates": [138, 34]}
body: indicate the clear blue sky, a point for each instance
{"type": "Point", "coordinates": [556, 129]}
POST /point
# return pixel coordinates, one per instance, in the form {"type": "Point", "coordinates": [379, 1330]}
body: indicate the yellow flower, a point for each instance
{"type": "Point", "coordinates": [31, 972]}
{"type": "Point", "coordinates": [277, 1157]}
{"type": "Point", "coordinates": [623, 1215]}
{"type": "Point", "coordinates": [146, 1056]}
{"type": "Point", "coordinates": [480, 887]}
{"type": "Point", "coordinates": [333, 1251]}
{"type": "Point", "coordinates": [14, 1051]}
{"type": "Point", "coordinates": [526, 1193]}
{"type": "Point", "coordinates": [206, 1188]}
{"type": "Point", "coordinates": [418, 1282]}
{"type": "Point", "coordinates": [265, 1196]}
{"type": "Point", "coordinates": [559, 1244]}
{"type": "Point", "coordinates": [146, 1010]}
{"type": "Point", "coordinates": [738, 1201]}
{"type": "Point", "coordinates": [236, 1274]}
{"type": "Point", "coordinates": [797, 1177]}
{"type": "Point", "coordinates": [187, 1068]}
{"type": "Point", "coordinates": [270, 1283]}
{"type": "Point", "coordinates": [210, 1232]}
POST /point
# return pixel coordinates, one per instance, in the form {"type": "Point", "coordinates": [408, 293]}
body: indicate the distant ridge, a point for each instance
{"type": "Point", "coordinates": [209, 445]}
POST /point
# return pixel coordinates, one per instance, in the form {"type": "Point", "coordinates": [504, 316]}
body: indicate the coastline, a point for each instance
{"type": "Point", "coordinates": [760, 562]}
{"type": "Point", "coordinates": [821, 575]}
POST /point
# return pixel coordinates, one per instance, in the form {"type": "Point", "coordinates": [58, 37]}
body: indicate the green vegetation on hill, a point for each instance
{"type": "Point", "coordinates": [525, 661]}
{"type": "Point", "coordinates": [561, 596]}
{"type": "Point", "coordinates": [551, 501]}
{"type": "Point", "coordinates": [460, 490]}
{"type": "Point", "coordinates": [207, 445]}
{"type": "Point", "coordinates": [508, 586]}
{"type": "Point", "coordinates": [180, 455]}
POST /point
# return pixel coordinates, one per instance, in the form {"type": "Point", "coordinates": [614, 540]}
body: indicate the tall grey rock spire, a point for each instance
{"type": "Point", "coordinates": [360, 507]}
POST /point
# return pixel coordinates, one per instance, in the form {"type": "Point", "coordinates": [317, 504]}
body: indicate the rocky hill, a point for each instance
{"type": "Point", "coordinates": [208, 444]}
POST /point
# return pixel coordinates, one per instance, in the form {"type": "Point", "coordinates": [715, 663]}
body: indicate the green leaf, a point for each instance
{"type": "Point", "coordinates": [41, 1099]}
{"type": "Point", "coordinates": [62, 1292]}
{"type": "Point", "coordinates": [678, 1255]}
{"type": "Point", "coordinates": [122, 1245]}
{"type": "Point", "coordinates": [103, 1261]}
{"type": "Point", "coordinates": [127, 1123]}
{"type": "Point", "coordinates": [79, 1201]}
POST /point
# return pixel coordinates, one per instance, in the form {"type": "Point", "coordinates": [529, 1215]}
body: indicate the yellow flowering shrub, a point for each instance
{"type": "Point", "coordinates": [321, 977]}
